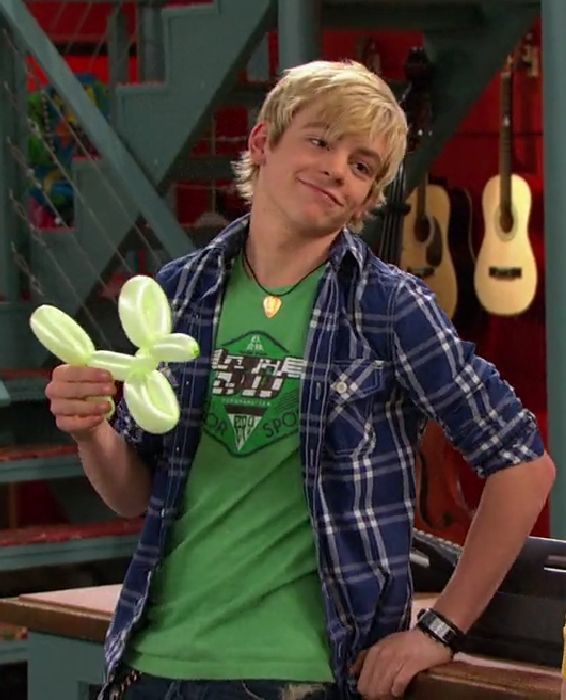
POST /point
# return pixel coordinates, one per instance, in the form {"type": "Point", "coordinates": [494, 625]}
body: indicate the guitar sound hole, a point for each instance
{"type": "Point", "coordinates": [422, 273]}
{"type": "Point", "coordinates": [506, 221]}
{"type": "Point", "coordinates": [422, 229]}
{"type": "Point", "coordinates": [505, 273]}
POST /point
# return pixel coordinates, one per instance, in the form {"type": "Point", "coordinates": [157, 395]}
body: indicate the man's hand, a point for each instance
{"type": "Point", "coordinates": [387, 668]}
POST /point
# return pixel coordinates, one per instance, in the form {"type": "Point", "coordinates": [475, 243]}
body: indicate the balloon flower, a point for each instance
{"type": "Point", "coordinates": [146, 319]}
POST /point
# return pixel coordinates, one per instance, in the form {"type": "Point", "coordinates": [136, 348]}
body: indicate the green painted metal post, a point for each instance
{"type": "Point", "coordinates": [118, 55]}
{"type": "Point", "coordinates": [299, 28]}
{"type": "Point", "coordinates": [12, 235]}
{"type": "Point", "coordinates": [63, 668]}
{"type": "Point", "coordinates": [151, 55]}
{"type": "Point", "coordinates": [554, 90]}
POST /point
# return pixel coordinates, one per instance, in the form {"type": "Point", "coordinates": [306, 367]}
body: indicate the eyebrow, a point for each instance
{"type": "Point", "coordinates": [366, 152]}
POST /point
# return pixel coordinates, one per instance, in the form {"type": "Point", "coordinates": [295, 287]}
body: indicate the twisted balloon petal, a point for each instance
{"type": "Point", "coordinates": [146, 318]}
{"type": "Point", "coordinates": [144, 311]}
{"type": "Point", "coordinates": [152, 403]}
{"type": "Point", "coordinates": [175, 347]}
{"type": "Point", "coordinates": [117, 363]}
{"type": "Point", "coordinates": [61, 335]}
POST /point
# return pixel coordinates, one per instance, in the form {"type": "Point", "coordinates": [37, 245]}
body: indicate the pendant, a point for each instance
{"type": "Point", "coordinates": [271, 306]}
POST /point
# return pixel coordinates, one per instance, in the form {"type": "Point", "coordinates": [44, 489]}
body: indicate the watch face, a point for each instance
{"type": "Point", "coordinates": [437, 628]}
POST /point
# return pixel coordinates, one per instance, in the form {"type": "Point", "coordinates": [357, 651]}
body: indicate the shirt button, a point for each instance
{"type": "Point", "coordinates": [341, 387]}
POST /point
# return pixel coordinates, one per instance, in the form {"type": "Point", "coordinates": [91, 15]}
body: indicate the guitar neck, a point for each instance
{"type": "Point", "coordinates": [505, 140]}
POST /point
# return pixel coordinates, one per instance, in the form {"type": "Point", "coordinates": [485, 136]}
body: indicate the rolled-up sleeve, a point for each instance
{"type": "Point", "coordinates": [479, 411]}
{"type": "Point", "coordinates": [149, 447]}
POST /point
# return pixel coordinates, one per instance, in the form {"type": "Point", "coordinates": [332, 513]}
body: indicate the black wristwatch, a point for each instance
{"type": "Point", "coordinates": [438, 627]}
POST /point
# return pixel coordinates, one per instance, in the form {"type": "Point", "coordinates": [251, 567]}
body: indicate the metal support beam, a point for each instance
{"type": "Point", "coordinates": [554, 87]}
{"type": "Point", "coordinates": [108, 144]}
{"type": "Point", "coordinates": [299, 30]}
{"type": "Point", "coordinates": [151, 54]}
{"type": "Point", "coordinates": [12, 234]}
{"type": "Point", "coordinates": [118, 55]}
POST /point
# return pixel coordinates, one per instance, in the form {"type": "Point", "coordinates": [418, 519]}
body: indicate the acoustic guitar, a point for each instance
{"type": "Point", "coordinates": [505, 276]}
{"type": "Point", "coordinates": [425, 251]}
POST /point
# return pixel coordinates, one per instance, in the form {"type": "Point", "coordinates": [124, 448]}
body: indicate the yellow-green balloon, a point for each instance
{"type": "Point", "coordinates": [146, 319]}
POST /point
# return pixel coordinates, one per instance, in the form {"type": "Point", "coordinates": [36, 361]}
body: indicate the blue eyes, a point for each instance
{"type": "Point", "coordinates": [359, 166]}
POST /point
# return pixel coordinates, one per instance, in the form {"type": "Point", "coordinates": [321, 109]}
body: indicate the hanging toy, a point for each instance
{"type": "Point", "coordinates": [146, 319]}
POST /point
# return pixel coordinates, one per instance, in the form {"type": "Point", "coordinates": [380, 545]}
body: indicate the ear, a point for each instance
{"type": "Point", "coordinates": [257, 143]}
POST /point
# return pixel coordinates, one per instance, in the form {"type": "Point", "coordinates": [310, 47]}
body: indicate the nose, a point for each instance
{"type": "Point", "coordinates": [334, 164]}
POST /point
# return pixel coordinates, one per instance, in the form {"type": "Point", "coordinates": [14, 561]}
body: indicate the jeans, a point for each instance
{"type": "Point", "coordinates": [132, 685]}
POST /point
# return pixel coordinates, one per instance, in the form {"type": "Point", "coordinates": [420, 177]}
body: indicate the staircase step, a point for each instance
{"type": "Point", "coordinates": [181, 104]}
{"type": "Point", "coordinates": [25, 384]}
{"type": "Point", "coordinates": [38, 462]}
{"type": "Point", "coordinates": [53, 545]}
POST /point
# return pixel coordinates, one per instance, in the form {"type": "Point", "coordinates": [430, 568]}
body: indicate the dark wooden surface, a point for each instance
{"type": "Point", "coordinates": [85, 614]}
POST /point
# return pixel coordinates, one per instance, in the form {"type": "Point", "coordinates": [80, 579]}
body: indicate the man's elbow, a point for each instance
{"type": "Point", "coordinates": [544, 474]}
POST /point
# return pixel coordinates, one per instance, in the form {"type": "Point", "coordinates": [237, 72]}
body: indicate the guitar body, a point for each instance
{"type": "Point", "coordinates": [505, 276]}
{"type": "Point", "coordinates": [430, 259]}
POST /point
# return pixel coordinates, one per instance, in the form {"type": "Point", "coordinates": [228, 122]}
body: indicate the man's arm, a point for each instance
{"type": "Point", "coordinates": [483, 417]}
{"type": "Point", "coordinates": [511, 502]}
{"type": "Point", "coordinates": [115, 471]}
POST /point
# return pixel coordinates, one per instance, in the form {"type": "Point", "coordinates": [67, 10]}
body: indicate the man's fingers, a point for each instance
{"type": "Point", "coordinates": [79, 390]}
{"type": "Point", "coordinates": [78, 407]}
{"type": "Point", "coordinates": [78, 424]}
{"type": "Point", "coordinates": [69, 373]}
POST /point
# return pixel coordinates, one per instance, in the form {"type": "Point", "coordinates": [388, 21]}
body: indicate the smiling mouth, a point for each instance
{"type": "Point", "coordinates": [328, 194]}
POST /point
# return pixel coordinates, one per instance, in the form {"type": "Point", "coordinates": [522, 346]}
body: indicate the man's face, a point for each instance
{"type": "Point", "coordinates": [315, 184]}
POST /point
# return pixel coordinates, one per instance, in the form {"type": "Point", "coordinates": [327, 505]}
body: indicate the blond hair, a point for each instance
{"type": "Point", "coordinates": [353, 100]}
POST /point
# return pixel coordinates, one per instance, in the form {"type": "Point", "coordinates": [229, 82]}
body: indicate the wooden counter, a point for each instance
{"type": "Point", "coordinates": [83, 615]}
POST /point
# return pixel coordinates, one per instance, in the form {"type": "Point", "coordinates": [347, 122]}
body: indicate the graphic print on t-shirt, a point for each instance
{"type": "Point", "coordinates": [254, 400]}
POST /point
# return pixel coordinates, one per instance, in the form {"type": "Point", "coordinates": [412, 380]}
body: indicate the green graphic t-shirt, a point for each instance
{"type": "Point", "coordinates": [238, 594]}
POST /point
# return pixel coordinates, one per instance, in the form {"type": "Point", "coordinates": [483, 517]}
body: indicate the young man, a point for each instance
{"type": "Point", "coordinates": [274, 558]}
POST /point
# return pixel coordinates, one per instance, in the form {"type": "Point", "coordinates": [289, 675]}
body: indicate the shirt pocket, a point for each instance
{"type": "Point", "coordinates": [355, 388]}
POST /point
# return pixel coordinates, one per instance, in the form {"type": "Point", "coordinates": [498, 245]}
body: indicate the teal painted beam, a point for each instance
{"type": "Point", "coordinates": [554, 90]}
{"type": "Point", "coordinates": [40, 469]}
{"type": "Point", "coordinates": [299, 31]}
{"type": "Point", "coordinates": [13, 651]}
{"type": "Point", "coordinates": [108, 144]}
{"type": "Point", "coordinates": [151, 55]}
{"type": "Point", "coordinates": [118, 42]}
{"type": "Point", "coordinates": [61, 668]}
{"type": "Point", "coordinates": [25, 388]}
{"type": "Point", "coordinates": [16, 558]}
{"type": "Point", "coordinates": [12, 236]}
{"type": "Point", "coordinates": [18, 348]}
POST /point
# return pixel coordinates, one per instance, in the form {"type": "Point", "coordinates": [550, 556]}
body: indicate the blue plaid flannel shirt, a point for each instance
{"type": "Point", "coordinates": [381, 358]}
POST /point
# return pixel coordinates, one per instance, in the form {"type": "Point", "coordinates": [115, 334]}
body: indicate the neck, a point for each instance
{"type": "Point", "coordinates": [278, 253]}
